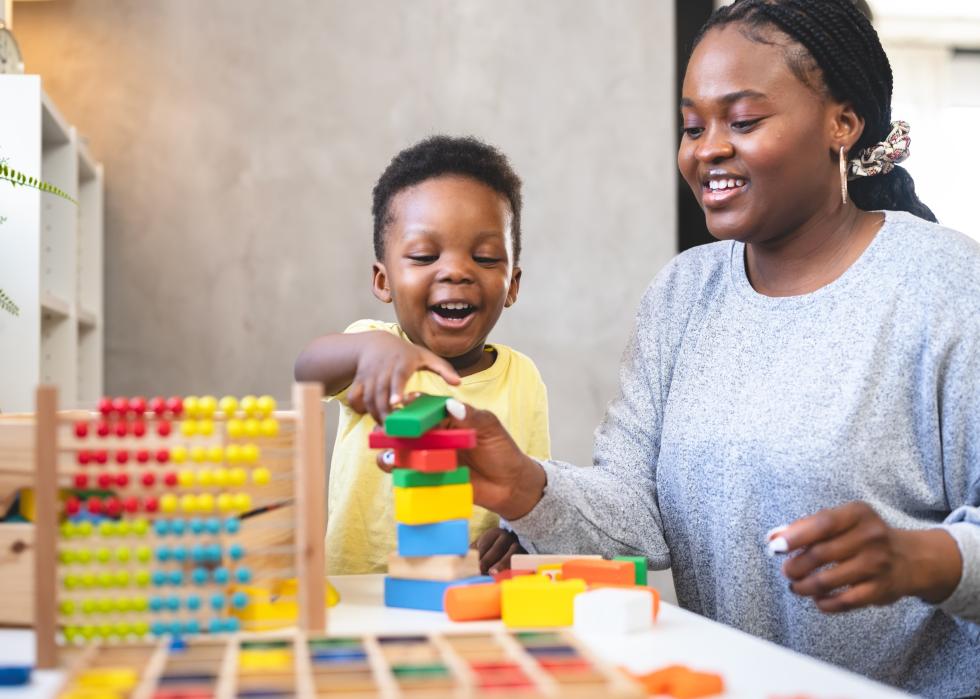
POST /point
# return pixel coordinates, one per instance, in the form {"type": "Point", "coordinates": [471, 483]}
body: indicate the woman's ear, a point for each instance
{"type": "Point", "coordinates": [847, 127]}
{"type": "Point", "coordinates": [380, 287]}
{"type": "Point", "coordinates": [515, 286]}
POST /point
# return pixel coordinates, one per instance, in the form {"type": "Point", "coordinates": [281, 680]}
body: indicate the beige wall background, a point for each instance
{"type": "Point", "coordinates": [241, 140]}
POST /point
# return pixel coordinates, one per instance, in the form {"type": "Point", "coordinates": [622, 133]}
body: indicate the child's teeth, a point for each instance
{"type": "Point", "coordinates": [739, 183]}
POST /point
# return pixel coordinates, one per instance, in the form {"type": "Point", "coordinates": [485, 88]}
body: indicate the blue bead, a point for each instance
{"type": "Point", "coordinates": [199, 576]}
{"type": "Point", "coordinates": [231, 624]}
{"type": "Point", "coordinates": [158, 628]}
{"type": "Point", "coordinates": [215, 626]}
{"type": "Point", "coordinates": [159, 577]}
{"type": "Point", "coordinates": [213, 525]}
{"type": "Point", "coordinates": [193, 602]}
{"type": "Point", "coordinates": [179, 553]}
{"type": "Point", "coordinates": [173, 603]}
{"type": "Point", "coordinates": [177, 526]}
{"type": "Point", "coordinates": [243, 575]}
{"type": "Point", "coordinates": [236, 551]}
{"type": "Point", "coordinates": [221, 575]}
{"type": "Point", "coordinates": [192, 626]}
{"type": "Point", "coordinates": [217, 602]}
{"type": "Point", "coordinates": [176, 628]}
{"type": "Point", "coordinates": [239, 600]}
{"type": "Point", "coordinates": [176, 577]}
{"type": "Point", "coordinates": [156, 604]}
{"type": "Point", "coordinates": [196, 526]}
{"type": "Point", "coordinates": [199, 554]}
{"type": "Point", "coordinates": [178, 645]}
{"type": "Point", "coordinates": [161, 527]}
{"type": "Point", "coordinates": [163, 553]}
{"type": "Point", "coordinates": [214, 553]}
{"type": "Point", "coordinates": [232, 525]}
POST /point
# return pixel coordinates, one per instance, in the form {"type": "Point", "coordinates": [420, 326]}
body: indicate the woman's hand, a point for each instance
{"type": "Point", "coordinates": [847, 557]}
{"type": "Point", "coordinates": [505, 480]}
{"type": "Point", "coordinates": [384, 366]}
{"type": "Point", "coordinates": [495, 547]}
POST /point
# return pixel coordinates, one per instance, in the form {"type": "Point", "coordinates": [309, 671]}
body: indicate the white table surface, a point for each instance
{"type": "Point", "coordinates": [752, 668]}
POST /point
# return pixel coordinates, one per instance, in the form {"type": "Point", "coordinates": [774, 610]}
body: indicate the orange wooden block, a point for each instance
{"type": "Point", "coordinates": [599, 571]}
{"type": "Point", "coordinates": [473, 602]}
{"type": "Point", "coordinates": [426, 460]}
{"type": "Point", "coordinates": [652, 590]}
{"type": "Point", "coordinates": [682, 682]}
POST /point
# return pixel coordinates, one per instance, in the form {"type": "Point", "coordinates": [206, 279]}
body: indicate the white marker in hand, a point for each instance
{"type": "Point", "coordinates": [776, 543]}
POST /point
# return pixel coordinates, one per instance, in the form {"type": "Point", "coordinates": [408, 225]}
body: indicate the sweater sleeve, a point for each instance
{"type": "Point", "coordinates": [611, 508]}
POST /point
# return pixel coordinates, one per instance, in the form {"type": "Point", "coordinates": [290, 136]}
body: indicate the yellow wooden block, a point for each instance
{"type": "Point", "coordinates": [114, 678]}
{"type": "Point", "coordinates": [430, 504]}
{"type": "Point", "coordinates": [75, 692]}
{"type": "Point", "coordinates": [533, 600]}
{"type": "Point", "coordinates": [552, 570]}
{"type": "Point", "coordinates": [264, 659]}
{"type": "Point", "coordinates": [275, 606]}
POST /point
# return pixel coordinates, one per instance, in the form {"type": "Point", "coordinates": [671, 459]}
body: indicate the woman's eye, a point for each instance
{"type": "Point", "coordinates": [693, 131]}
{"type": "Point", "coordinates": [745, 124]}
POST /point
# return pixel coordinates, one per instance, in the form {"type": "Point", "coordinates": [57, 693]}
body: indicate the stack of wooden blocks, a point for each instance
{"type": "Point", "coordinates": [433, 505]}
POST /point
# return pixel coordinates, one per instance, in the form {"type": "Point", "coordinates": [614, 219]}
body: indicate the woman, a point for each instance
{"type": "Point", "coordinates": [817, 368]}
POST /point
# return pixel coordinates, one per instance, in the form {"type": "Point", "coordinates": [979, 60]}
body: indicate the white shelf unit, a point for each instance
{"type": "Point", "coordinates": [51, 254]}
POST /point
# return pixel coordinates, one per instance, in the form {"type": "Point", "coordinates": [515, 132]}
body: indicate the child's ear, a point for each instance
{"type": "Point", "coordinates": [515, 286]}
{"type": "Point", "coordinates": [380, 285]}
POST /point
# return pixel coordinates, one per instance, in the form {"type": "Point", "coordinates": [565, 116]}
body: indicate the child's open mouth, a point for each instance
{"type": "Point", "coordinates": [452, 315]}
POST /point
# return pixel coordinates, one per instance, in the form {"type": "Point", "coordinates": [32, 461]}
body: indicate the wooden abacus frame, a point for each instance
{"type": "Point", "coordinates": [309, 507]}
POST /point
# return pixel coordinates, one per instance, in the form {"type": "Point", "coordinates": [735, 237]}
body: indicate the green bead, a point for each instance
{"type": "Point", "coordinates": [141, 628]}
{"type": "Point", "coordinates": [66, 556]}
{"type": "Point", "coordinates": [144, 554]}
{"type": "Point", "coordinates": [122, 555]}
{"type": "Point", "coordinates": [105, 579]}
{"type": "Point", "coordinates": [142, 578]}
{"type": "Point", "coordinates": [84, 529]}
{"type": "Point", "coordinates": [106, 630]}
{"type": "Point", "coordinates": [67, 607]}
{"type": "Point", "coordinates": [122, 578]}
{"type": "Point", "coordinates": [122, 628]}
{"type": "Point", "coordinates": [123, 527]}
{"type": "Point", "coordinates": [70, 581]}
{"type": "Point", "coordinates": [139, 604]}
{"type": "Point", "coordinates": [140, 527]}
{"type": "Point", "coordinates": [88, 606]}
{"type": "Point", "coordinates": [88, 631]}
{"type": "Point", "coordinates": [105, 605]}
{"type": "Point", "coordinates": [107, 528]}
{"type": "Point", "coordinates": [124, 604]}
{"type": "Point", "coordinates": [103, 555]}
{"type": "Point", "coordinates": [67, 530]}
{"type": "Point", "coordinates": [83, 556]}
{"type": "Point", "coordinates": [71, 633]}
{"type": "Point", "coordinates": [88, 580]}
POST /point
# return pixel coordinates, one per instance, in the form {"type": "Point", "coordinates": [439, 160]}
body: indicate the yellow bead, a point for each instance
{"type": "Point", "coordinates": [188, 503]}
{"type": "Point", "coordinates": [216, 454]}
{"type": "Point", "coordinates": [206, 405]}
{"type": "Point", "coordinates": [204, 477]}
{"type": "Point", "coordinates": [269, 427]}
{"type": "Point", "coordinates": [168, 503]}
{"type": "Point", "coordinates": [198, 454]}
{"type": "Point", "coordinates": [226, 502]}
{"type": "Point", "coordinates": [178, 454]}
{"type": "Point", "coordinates": [242, 501]}
{"type": "Point", "coordinates": [261, 476]}
{"type": "Point", "coordinates": [265, 406]}
{"type": "Point", "coordinates": [190, 407]}
{"type": "Point", "coordinates": [188, 428]}
{"type": "Point", "coordinates": [250, 453]}
{"type": "Point", "coordinates": [236, 428]}
{"type": "Point", "coordinates": [249, 405]}
{"type": "Point", "coordinates": [233, 453]}
{"type": "Point", "coordinates": [205, 427]}
{"type": "Point", "coordinates": [205, 502]}
{"type": "Point", "coordinates": [219, 477]}
{"type": "Point", "coordinates": [237, 476]}
{"type": "Point", "coordinates": [186, 478]}
{"type": "Point", "coordinates": [253, 428]}
{"type": "Point", "coordinates": [228, 405]}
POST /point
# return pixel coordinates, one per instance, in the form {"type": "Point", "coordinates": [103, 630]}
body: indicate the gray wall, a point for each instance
{"type": "Point", "coordinates": [241, 140]}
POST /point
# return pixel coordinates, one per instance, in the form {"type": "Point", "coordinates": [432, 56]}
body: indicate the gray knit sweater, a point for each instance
{"type": "Point", "coordinates": [739, 412]}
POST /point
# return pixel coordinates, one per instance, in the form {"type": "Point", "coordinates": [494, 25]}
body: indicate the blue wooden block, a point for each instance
{"type": "Point", "coordinates": [451, 538]}
{"type": "Point", "coordinates": [423, 594]}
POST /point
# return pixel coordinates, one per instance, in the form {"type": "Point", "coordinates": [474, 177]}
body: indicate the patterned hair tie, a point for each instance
{"type": "Point", "coordinates": [882, 157]}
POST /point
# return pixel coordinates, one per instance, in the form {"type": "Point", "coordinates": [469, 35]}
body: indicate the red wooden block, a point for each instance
{"type": "Point", "coordinates": [598, 571]}
{"type": "Point", "coordinates": [426, 460]}
{"type": "Point", "coordinates": [433, 439]}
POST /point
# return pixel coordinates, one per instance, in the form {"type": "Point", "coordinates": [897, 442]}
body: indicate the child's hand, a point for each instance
{"type": "Point", "coordinates": [383, 367]}
{"type": "Point", "coordinates": [495, 547]}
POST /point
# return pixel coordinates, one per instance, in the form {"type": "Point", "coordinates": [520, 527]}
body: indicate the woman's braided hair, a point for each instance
{"type": "Point", "coordinates": [839, 44]}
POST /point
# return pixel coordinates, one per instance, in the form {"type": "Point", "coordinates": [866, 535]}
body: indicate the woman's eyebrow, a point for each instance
{"type": "Point", "coordinates": [730, 98]}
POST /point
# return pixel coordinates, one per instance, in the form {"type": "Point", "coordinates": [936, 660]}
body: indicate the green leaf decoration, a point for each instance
{"type": "Point", "coordinates": [16, 179]}
{"type": "Point", "coordinates": [7, 304]}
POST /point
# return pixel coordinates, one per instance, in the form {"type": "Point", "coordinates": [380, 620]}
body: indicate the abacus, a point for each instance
{"type": "Point", "coordinates": [165, 518]}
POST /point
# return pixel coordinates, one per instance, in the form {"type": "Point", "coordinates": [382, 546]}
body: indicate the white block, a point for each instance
{"type": "Point", "coordinates": [613, 610]}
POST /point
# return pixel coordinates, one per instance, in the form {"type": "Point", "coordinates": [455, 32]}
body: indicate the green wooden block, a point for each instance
{"type": "Point", "coordinates": [420, 670]}
{"type": "Point", "coordinates": [641, 567]}
{"type": "Point", "coordinates": [416, 419]}
{"type": "Point", "coordinates": [410, 478]}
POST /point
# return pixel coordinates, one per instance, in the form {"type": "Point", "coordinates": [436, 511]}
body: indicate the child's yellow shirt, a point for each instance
{"type": "Point", "coordinates": [360, 503]}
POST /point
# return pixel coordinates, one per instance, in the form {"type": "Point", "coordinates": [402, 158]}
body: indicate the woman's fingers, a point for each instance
{"type": "Point", "coordinates": [839, 548]}
{"type": "Point", "coordinates": [823, 582]}
{"type": "Point", "coordinates": [386, 460]}
{"type": "Point", "coordinates": [823, 525]}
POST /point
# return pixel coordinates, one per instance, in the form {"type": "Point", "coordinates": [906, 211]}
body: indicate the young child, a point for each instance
{"type": "Point", "coordinates": [447, 240]}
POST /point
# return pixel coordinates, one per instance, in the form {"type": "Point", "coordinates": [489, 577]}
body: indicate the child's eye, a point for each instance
{"type": "Point", "coordinates": [486, 260]}
{"type": "Point", "coordinates": [693, 131]}
{"type": "Point", "coordinates": [423, 259]}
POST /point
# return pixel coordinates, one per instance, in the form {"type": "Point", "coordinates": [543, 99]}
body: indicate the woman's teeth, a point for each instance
{"type": "Point", "coordinates": [725, 184]}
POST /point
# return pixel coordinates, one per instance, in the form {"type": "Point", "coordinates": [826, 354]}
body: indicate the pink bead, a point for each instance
{"type": "Point", "coordinates": [163, 428]}
{"type": "Point", "coordinates": [142, 456]}
{"type": "Point", "coordinates": [122, 480]}
{"type": "Point", "coordinates": [139, 428]}
{"type": "Point", "coordinates": [81, 429]}
{"type": "Point", "coordinates": [131, 504]}
{"type": "Point", "coordinates": [105, 405]}
{"type": "Point", "coordinates": [138, 405]}
{"type": "Point", "coordinates": [102, 456]}
{"type": "Point", "coordinates": [122, 456]}
{"type": "Point", "coordinates": [120, 405]}
{"type": "Point", "coordinates": [121, 428]}
{"type": "Point", "coordinates": [73, 506]}
{"type": "Point", "coordinates": [158, 405]}
{"type": "Point", "coordinates": [148, 479]}
{"type": "Point", "coordinates": [102, 428]}
{"type": "Point", "coordinates": [175, 405]}
{"type": "Point", "coordinates": [84, 457]}
{"type": "Point", "coordinates": [81, 480]}
{"type": "Point", "coordinates": [162, 456]}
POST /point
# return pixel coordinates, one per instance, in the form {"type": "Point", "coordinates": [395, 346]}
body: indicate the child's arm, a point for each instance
{"type": "Point", "coordinates": [376, 365]}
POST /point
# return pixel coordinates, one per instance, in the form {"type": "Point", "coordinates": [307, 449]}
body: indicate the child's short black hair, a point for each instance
{"type": "Point", "coordinates": [446, 155]}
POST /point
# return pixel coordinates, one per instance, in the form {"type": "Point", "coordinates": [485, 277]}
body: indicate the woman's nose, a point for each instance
{"type": "Point", "coordinates": [714, 146]}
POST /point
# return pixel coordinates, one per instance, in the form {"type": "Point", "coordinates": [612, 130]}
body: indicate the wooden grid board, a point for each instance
{"type": "Point", "coordinates": [486, 664]}
{"type": "Point", "coordinates": [136, 573]}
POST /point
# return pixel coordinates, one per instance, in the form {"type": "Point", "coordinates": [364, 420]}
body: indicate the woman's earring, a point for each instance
{"type": "Point", "coordinates": [843, 177]}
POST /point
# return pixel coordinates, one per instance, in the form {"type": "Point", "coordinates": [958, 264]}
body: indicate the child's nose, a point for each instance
{"type": "Point", "coordinates": [456, 269]}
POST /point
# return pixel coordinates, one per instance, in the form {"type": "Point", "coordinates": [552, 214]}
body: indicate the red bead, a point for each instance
{"type": "Point", "coordinates": [120, 405]}
{"type": "Point", "coordinates": [162, 456]}
{"type": "Point", "coordinates": [163, 428]}
{"type": "Point", "coordinates": [81, 480]}
{"type": "Point", "coordinates": [150, 504]}
{"type": "Point", "coordinates": [73, 506]}
{"type": "Point", "coordinates": [158, 405]}
{"type": "Point", "coordinates": [148, 479]}
{"type": "Point", "coordinates": [138, 405]}
{"type": "Point", "coordinates": [122, 456]}
{"type": "Point", "coordinates": [175, 405]}
{"type": "Point", "coordinates": [102, 456]}
{"type": "Point", "coordinates": [81, 428]}
{"type": "Point", "coordinates": [170, 479]}
{"type": "Point", "coordinates": [121, 428]}
{"type": "Point", "coordinates": [142, 456]}
{"type": "Point", "coordinates": [84, 457]}
{"type": "Point", "coordinates": [139, 428]}
{"type": "Point", "coordinates": [105, 405]}
{"type": "Point", "coordinates": [113, 507]}
{"type": "Point", "coordinates": [102, 428]}
{"type": "Point", "coordinates": [104, 480]}
{"type": "Point", "coordinates": [131, 504]}
{"type": "Point", "coordinates": [94, 505]}
{"type": "Point", "coordinates": [122, 480]}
